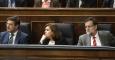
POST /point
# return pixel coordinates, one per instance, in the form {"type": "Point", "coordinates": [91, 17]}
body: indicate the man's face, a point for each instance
{"type": "Point", "coordinates": [90, 27]}
{"type": "Point", "coordinates": [10, 25]}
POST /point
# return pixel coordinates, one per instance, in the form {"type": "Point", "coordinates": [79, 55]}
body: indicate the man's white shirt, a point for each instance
{"type": "Point", "coordinates": [14, 37]}
{"type": "Point", "coordinates": [98, 42]}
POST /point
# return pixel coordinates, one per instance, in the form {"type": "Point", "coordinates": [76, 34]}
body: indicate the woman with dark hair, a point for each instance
{"type": "Point", "coordinates": [52, 36]}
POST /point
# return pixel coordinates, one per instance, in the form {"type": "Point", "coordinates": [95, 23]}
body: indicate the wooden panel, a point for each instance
{"type": "Point", "coordinates": [61, 18]}
{"type": "Point", "coordinates": [2, 26]}
{"type": "Point", "coordinates": [57, 12]}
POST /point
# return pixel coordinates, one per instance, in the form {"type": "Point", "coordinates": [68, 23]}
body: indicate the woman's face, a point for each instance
{"type": "Point", "coordinates": [48, 32]}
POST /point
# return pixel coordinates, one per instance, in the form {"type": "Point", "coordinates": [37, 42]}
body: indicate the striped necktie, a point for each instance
{"type": "Point", "coordinates": [11, 39]}
{"type": "Point", "coordinates": [94, 41]}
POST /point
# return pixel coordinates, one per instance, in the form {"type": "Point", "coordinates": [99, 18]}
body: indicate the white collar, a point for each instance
{"type": "Point", "coordinates": [15, 33]}
{"type": "Point", "coordinates": [96, 35]}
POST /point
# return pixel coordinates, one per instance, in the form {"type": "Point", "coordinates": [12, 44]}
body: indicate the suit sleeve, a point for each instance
{"type": "Point", "coordinates": [24, 39]}
{"type": "Point", "coordinates": [80, 41]}
{"type": "Point", "coordinates": [112, 39]}
{"type": "Point", "coordinates": [56, 3]}
{"type": "Point", "coordinates": [30, 3]}
{"type": "Point", "coordinates": [37, 3]}
{"type": "Point", "coordinates": [111, 2]}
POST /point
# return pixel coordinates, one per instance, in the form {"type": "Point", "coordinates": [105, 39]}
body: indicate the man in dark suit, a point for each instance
{"type": "Point", "coordinates": [108, 3]}
{"type": "Point", "coordinates": [16, 3]}
{"type": "Point", "coordinates": [89, 3]}
{"type": "Point", "coordinates": [72, 3]}
{"type": "Point", "coordinates": [97, 3]}
{"type": "Point", "coordinates": [93, 37]}
{"type": "Point", "coordinates": [69, 3]}
{"type": "Point", "coordinates": [30, 3]}
{"type": "Point", "coordinates": [13, 35]}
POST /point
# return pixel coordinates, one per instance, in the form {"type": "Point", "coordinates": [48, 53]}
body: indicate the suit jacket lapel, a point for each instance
{"type": "Point", "coordinates": [88, 42]}
{"type": "Point", "coordinates": [6, 38]}
{"type": "Point", "coordinates": [17, 37]}
{"type": "Point", "coordinates": [102, 38]}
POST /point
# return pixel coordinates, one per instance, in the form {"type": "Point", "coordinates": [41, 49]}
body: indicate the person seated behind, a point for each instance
{"type": "Point", "coordinates": [52, 36]}
{"type": "Point", "coordinates": [97, 3]}
{"type": "Point", "coordinates": [13, 35]}
{"type": "Point", "coordinates": [93, 37]}
{"type": "Point", "coordinates": [108, 3]}
{"type": "Point", "coordinates": [69, 3]}
{"type": "Point", "coordinates": [16, 3]}
{"type": "Point", "coordinates": [56, 3]}
{"type": "Point", "coordinates": [46, 3]}
{"type": "Point", "coordinates": [88, 3]}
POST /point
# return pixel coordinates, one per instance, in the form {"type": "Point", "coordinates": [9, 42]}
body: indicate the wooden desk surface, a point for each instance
{"type": "Point", "coordinates": [56, 52]}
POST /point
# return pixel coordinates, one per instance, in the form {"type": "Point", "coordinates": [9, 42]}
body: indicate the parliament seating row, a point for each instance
{"type": "Point", "coordinates": [37, 18]}
{"type": "Point", "coordinates": [70, 31]}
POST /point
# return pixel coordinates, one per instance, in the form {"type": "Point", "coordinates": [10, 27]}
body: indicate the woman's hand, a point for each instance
{"type": "Point", "coordinates": [42, 39]}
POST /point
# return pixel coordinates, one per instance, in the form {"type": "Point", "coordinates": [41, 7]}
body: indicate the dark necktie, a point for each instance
{"type": "Point", "coordinates": [94, 41]}
{"type": "Point", "coordinates": [11, 39]}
